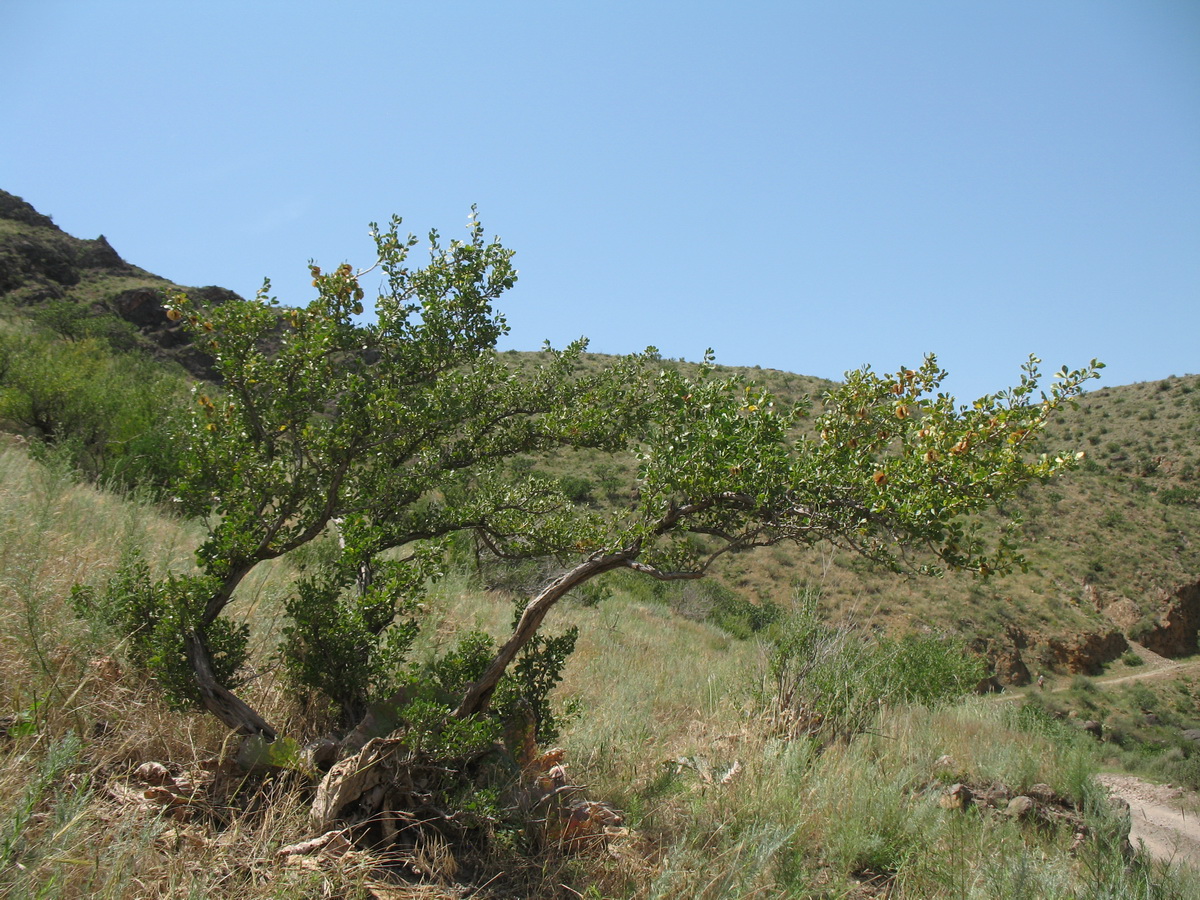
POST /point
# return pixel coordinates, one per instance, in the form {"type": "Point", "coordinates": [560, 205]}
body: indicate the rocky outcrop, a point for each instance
{"type": "Point", "coordinates": [1123, 613]}
{"type": "Point", "coordinates": [13, 207]}
{"type": "Point", "coordinates": [40, 263]}
{"type": "Point", "coordinates": [1004, 655]}
{"type": "Point", "coordinates": [1010, 667]}
{"type": "Point", "coordinates": [1171, 625]}
{"type": "Point", "coordinates": [1174, 632]}
{"type": "Point", "coordinates": [1083, 653]}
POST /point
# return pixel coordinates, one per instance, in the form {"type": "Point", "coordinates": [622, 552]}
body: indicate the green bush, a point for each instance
{"type": "Point", "coordinates": [576, 488]}
{"type": "Point", "coordinates": [525, 688]}
{"type": "Point", "coordinates": [345, 643]}
{"type": "Point", "coordinates": [108, 416]}
{"type": "Point", "coordinates": [711, 601]}
{"type": "Point", "coordinates": [1179, 496]}
{"type": "Point", "coordinates": [834, 680]}
{"type": "Point", "coordinates": [156, 618]}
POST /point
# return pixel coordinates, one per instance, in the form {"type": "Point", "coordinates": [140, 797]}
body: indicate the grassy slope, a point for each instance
{"type": "Point", "coordinates": [649, 689]}
{"type": "Point", "coordinates": [1101, 534]}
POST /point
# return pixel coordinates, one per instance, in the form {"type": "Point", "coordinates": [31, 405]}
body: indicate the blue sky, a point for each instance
{"type": "Point", "coordinates": [802, 186]}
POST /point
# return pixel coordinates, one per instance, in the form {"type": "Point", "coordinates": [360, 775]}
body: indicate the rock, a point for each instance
{"type": "Point", "coordinates": [1004, 653]}
{"type": "Point", "coordinates": [1094, 728]}
{"type": "Point", "coordinates": [995, 796]}
{"type": "Point", "coordinates": [1084, 652]}
{"type": "Point", "coordinates": [1011, 669]}
{"type": "Point", "coordinates": [99, 254]}
{"type": "Point", "coordinates": [154, 773]}
{"type": "Point", "coordinates": [1191, 734]}
{"type": "Point", "coordinates": [959, 796]}
{"type": "Point", "coordinates": [321, 753]}
{"type": "Point", "coordinates": [989, 685]}
{"type": "Point", "coordinates": [1123, 613]}
{"type": "Point", "coordinates": [13, 207]}
{"type": "Point", "coordinates": [1175, 633]}
{"type": "Point", "coordinates": [257, 754]}
{"type": "Point", "coordinates": [1043, 793]}
{"type": "Point", "coordinates": [1020, 807]}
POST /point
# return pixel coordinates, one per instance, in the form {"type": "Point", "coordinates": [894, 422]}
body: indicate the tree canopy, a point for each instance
{"type": "Point", "coordinates": [399, 430]}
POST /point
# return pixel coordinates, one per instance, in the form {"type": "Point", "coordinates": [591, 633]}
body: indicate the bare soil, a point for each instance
{"type": "Point", "coordinates": [1164, 819]}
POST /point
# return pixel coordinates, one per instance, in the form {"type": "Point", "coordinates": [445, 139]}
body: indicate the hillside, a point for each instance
{"type": "Point", "coordinates": [673, 733]}
{"type": "Point", "coordinates": [1112, 553]}
{"type": "Point", "coordinates": [70, 282]}
{"type": "Point", "coordinates": [719, 738]}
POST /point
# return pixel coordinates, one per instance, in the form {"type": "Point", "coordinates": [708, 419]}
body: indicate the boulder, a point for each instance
{"type": "Point", "coordinates": [1020, 807]}
{"type": "Point", "coordinates": [1084, 652]}
{"type": "Point", "coordinates": [1175, 633]}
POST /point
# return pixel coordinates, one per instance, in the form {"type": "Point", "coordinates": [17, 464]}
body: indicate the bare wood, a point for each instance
{"type": "Point", "coordinates": [218, 699]}
{"type": "Point", "coordinates": [479, 694]}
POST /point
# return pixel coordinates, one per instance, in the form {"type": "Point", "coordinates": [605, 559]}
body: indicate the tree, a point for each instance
{"type": "Point", "coordinates": [394, 429]}
{"type": "Point", "coordinates": [891, 469]}
{"type": "Point", "coordinates": [403, 431]}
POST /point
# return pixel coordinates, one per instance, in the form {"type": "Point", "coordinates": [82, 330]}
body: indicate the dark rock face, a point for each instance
{"type": "Point", "coordinates": [39, 263]}
{"type": "Point", "coordinates": [99, 254]}
{"type": "Point", "coordinates": [1010, 668]}
{"type": "Point", "coordinates": [1084, 653]}
{"type": "Point", "coordinates": [1175, 633]}
{"type": "Point", "coordinates": [1004, 654]}
{"type": "Point", "coordinates": [13, 207]}
{"type": "Point", "coordinates": [43, 267]}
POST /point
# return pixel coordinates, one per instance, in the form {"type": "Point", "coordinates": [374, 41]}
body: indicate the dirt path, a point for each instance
{"type": "Point", "coordinates": [1164, 819]}
{"type": "Point", "coordinates": [1156, 667]}
{"type": "Point", "coordinates": [1191, 666]}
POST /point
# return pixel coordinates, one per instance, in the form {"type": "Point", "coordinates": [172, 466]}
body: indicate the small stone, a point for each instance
{"type": "Point", "coordinates": [958, 796]}
{"type": "Point", "coordinates": [154, 773]}
{"type": "Point", "coordinates": [1041, 792]}
{"type": "Point", "coordinates": [321, 754]}
{"type": "Point", "coordinates": [996, 796]}
{"type": "Point", "coordinates": [1020, 807]}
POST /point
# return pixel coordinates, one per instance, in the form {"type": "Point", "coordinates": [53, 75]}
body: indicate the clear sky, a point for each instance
{"type": "Point", "coordinates": [807, 186]}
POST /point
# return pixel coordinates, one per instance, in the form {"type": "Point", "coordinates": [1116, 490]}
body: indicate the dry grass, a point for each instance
{"type": "Point", "coordinates": [666, 726]}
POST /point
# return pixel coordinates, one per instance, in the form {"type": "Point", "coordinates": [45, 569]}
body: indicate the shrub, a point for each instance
{"type": "Point", "coordinates": [108, 416]}
{"type": "Point", "coordinates": [1179, 496]}
{"type": "Point", "coordinates": [345, 642]}
{"type": "Point", "coordinates": [1083, 684]}
{"type": "Point", "coordinates": [576, 488]}
{"type": "Point", "coordinates": [156, 618]}
{"type": "Point", "coordinates": [832, 680]}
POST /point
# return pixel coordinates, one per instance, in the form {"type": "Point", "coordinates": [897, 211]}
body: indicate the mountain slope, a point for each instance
{"type": "Point", "coordinates": [1113, 553]}
{"type": "Point", "coordinates": [44, 269]}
